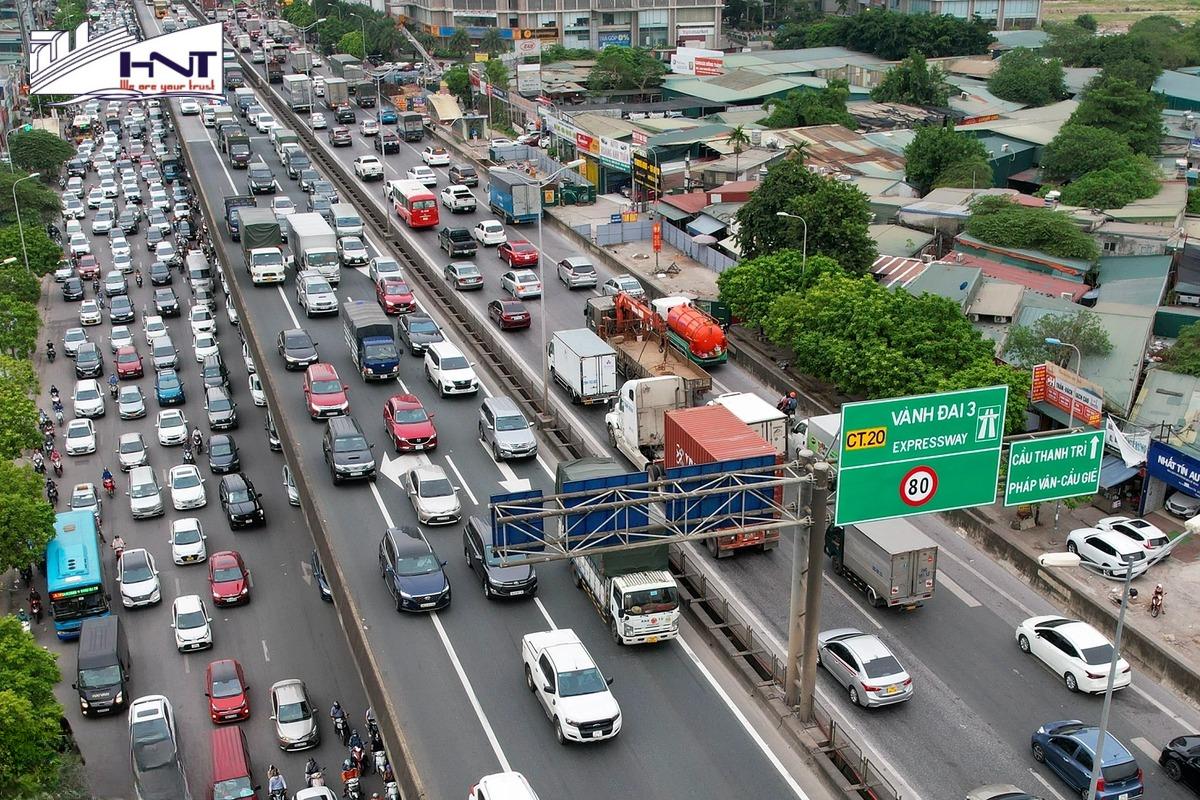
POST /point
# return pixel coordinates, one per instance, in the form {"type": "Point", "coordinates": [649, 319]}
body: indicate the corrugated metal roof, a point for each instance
{"type": "Point", "coordinates": [1037, 125]}
{"type": "Point", "coordinates": [1178, 84]}
{"type": "Point", "coordinates": [952, 281]}
{"type": "Point", "coordinates": [1170, 398]}
{"type": "Point", "coordinates": [897, 240]}
{"type": "Point", "coordinates": [997, 299]}
{"type": "Point", "coordinates": [1037, 282]}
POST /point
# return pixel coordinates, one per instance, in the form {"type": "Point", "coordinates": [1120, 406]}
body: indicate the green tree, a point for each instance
{"type": "Point", "coordinates": [751, 285]}
{"type": "Point", "coordinates": [458, 81]}
{"type": "Point", "coordinates": [1087, 22]}
{"type": "Point", "coordinates": [459, 43]}
{"type": "Point", "coordinates": [352, 44]}
{"type": "Point", "coordinates": [1079, 149]}
{"type": "Point", "coordinates": [38, 202]}
{"type": "Point", "coordinates": [1001, 222]}
{"type": "Point", "coordinates": [69, 15]}
{"type": "Point", "coordinates": [39, 151]}
{"type": "Point", "coordinates": [1026, 344]}
{"type": "Point", "coordinates": [556, 52]}
{"type": "Point", "coordinates": [496, 73]}
{"type": "Point", "coordinates": [26, 518]}
{"type": "Point", "coordinates": [626, 68]}
{"type": "Point", "coordinates": [738, 139]}
{"type": "Point", "coordinates": [940, 156]}
{"type": "Point", "coordinates": [18, 423]}
{"type": "Point", "coordinates": [1118, 184]}
{"type": "Point", "coordinates": [492, 42]}
{"type": "Point", "coordinates": [790, 36]}
{"type": "Point", "coordinates": [1125, 109]}
{"type": "Point", "coordinates": [15, 282]}
{"type": "Point", "coordinates": [914, 82]}
{"type": "Point", "coordinates": [18, 375]}
{"type": "Point", "coordinates": [29, 762]}
{"type": "Point", "coordinates": [837, 216]}
{"type": "Point", "coordinates": [1193, 201]}
{"type": "Point", "coordinates": [44, 254]}
{"type": "Point", "coordinates": [299, 14]}
{"type": "Point", "coordinates": [19, 323]}
{"type": "Point", "coordinates": [1184, 356]}
{"type": "Point", "coordinates": [986, 372]}
{"type": "Point", "coordinates": [891, 36]}
{"type": "Point", "coordinates": [1025, 77]}
{"type": "Point", "coordinates": [825, 106]}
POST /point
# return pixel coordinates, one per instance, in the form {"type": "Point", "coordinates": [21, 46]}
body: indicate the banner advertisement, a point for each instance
{"type": "Point", "coordinates": [529, 78]}
{"type": "Point", "coordinates": [1068, 392]}
{"type": "Point", "coordinates": [697, 61]}
{"type": "Point", "coordinates": [615, 154]}
{"type": "Point", "coordinates": [528, 48]}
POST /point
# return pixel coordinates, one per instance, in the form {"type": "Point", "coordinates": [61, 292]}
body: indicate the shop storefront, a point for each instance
{"type": "Point", "coordinates": [1169, 469]}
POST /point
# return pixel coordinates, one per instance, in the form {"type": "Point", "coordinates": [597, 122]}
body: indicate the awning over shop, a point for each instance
{"type": "Point", "coordinates": [705, 225]}
{"type": "Point", "coordinates": [1113, 472]}
{"type": "Point", "coordinates": [671, 212]}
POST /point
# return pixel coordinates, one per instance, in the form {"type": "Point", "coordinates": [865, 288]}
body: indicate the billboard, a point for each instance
{"type": "Point", "coordinates": [529, 78]}
{"type": "Point", "coordinates": [1065, 390]}
{"type": "Point", "coordinates": [527, 48]}
{"type": "Point", "coordinates": [697, 61]}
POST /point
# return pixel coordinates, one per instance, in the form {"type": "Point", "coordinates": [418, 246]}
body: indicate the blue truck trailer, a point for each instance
{"type": "Point", "coordinates": [512, 197]}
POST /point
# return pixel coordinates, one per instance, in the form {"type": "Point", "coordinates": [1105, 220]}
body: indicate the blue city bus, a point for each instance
{"type": "Point", "coordinates": [75, 573]}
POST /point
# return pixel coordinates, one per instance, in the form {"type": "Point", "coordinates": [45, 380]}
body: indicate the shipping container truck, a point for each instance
{"type": "Point", "coordinates": [643, 354]}
{"type": "Point", "coordinates": [302, 61]}
{"type": "Point", "coordinates": [314, 246]}
{"type": "Point", "coordinates": [353, 74]}
{"type": "Point", "coordinates": [244, 44]}
{"type": "Point", "coordinates": [891, 561]}
{"type": "Point", "coordinates": [635, 420]}
{"type": "Point", "coordinates": [411, 126]}
{"type": "Point", "coordinates": [763, 418]}
{"type": "Point", "coordinates": [371, 339]}
{"type": "Point", "coordinates": [233, 206]}
{"type": "Point", "coordinates": [339, 62]}
{"type": "Point", "coordinates": [583, 364]}
{"type": "Point", "coordinates": [632, 589]}
{"type": "Point", "coordinates": [274, 71]}
{"type": "Point", "coordinates": [336, 93]}
{"type": "Point", "coordinates": [298, 91]}
{"type": "Point", "coordinates": [820, 434]}
{"type": "Point", "coordinates": [262, 242]}
{"type": "Point", "coordinates": [712, 434]}
{"type": "Point", "coordinates": [512, 198]}
{"type": "Point", "coordinates": [365, 93]}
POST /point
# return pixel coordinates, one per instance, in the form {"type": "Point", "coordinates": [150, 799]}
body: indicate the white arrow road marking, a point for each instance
{"type": "Point", "coordinates": [394, 468]}
{"type": "Point", "coordinates": [306, 573]}
{"type": "Point", "coordinates": [511, 482]}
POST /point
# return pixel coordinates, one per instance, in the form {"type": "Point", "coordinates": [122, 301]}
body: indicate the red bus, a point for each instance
{"type": "Point", "coordinates": [414, 203]}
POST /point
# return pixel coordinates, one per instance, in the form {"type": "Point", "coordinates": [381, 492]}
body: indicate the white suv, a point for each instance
{"type": "Point", "coordinates": [193, 626]}
{"type": "Point", "coordinates": [368, 168]}
{"type": "Point", "coordinates": [145, 496]}
{"type": "Point", "coordinates": [314, 294]}
{"type": "Point", "coordinates": [449, 370]}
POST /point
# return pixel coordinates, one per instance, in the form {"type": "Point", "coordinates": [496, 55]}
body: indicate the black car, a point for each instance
{"type": "Point", "coordinates": [308, 177]}
{"type": "Point", "coordinates": [240, 502]}
{"type": "Point", "coordinates": [223, 454]}
{"type": "Point", "coordinates": [260, 179]}
{"type": "Point", "coordinates": [184, 231]}
{"type": "Point", "coordinates": [160, 274]}
{"type": "Point", "coordinates": [518, 580]}
{"type": "Point", "coordinates": [88, 362]}
{"type": "Point", "coordinates": [418, 330]}
{"type": "Point", "coordinates": [463, 174]}
{"type": "Point", "coordinates": [72, 289]}
{"type": "Point", "coordinates": [387, 143]}
{"type": "Point", "coordinates": [120, 309]}
{"type": "Point", "coordinates": [344, 115]}
{"type": "Point", "coordinates": [325, 188]}
{"type": "Point", "coordinates": [1180, 759]}
{"type": "Point", "coordinates": [166, 304]}
{"type": "Point", "coordinates": [347, 451]}
{"type": "Point", "coordinates": [412, 571]}
{"type": "Point", "coordinates": [221, 410]}
{"type": "Point", "coordinates": [130, 220]}
{"type": "Point", "coordinates": [77, 168]}
{"type": "Point", "coordinates": [213, 371]}
{"type": "Point", "coordinates": [321, 580]}
{"type": "Point", "coordinates": [297, 161]}
{"type": "Point", "coordinates": [297, 348]}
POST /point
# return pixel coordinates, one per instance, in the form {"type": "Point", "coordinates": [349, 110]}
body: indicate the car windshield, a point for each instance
{"type": "Point", "coordinates": [349, 444]}
{"type": "Point", "coordinates": [882, 666]}
{"type": "Point", "coordinates": [455, 362]}
{"type": "Point", "coordinates": [220, 448]}
{"type": "Point", "coordinates": [583, 268]}
{"type": "Point", "coordinates": [239, 496]}
{"type": "Point", "coordinates": [143, 490]}
{"type": "Point", "coordinates": [1100, 655]}
{"type": "Point", "coordinates": [219, 403]}
{"type": "Point", "coordinates": [132, 446]}
{"type": "Point", "coordinates": [225, 574]}
{"type": "Point", "coordinates": [296, 340]}
{"type": "Point", "coordinates": [423, 326]}
{"type": "Point", "coordinates": [186, 479]}
{"type": "Point", "coordinates": [514, 422]}
{"type": "Point", "coordinates": [421, 564]}
{"type": "Point", "coordinates": [438, 487]}
{"type": "Point", "coordinates": [580, 681]}
{"type": "Point", "coordinates": [190, 620]}
{"type": "Point", "coordinates": [326, 387]}
{"type": "Point", "coordinates": [89, 393]}
{"type": "Point", "coordinates": [1117, 773]}
{"type": "Point", "coordinates": [153, 746]}
{"type": "Point", "coordinates": [78, 432]}
{"type": "Point", "coordinates": [294, 712]}
{"type": "Point", "coordinates": [100, 678]}
{"type": "Point", "coordinates": [233, 789]}
{"type": "Point", "coordinates": [187, 535]}
{"type": "Point", "coordinates": [127, 358]}
{"type": "Point", "coordinates": [395, 287]}
{"type": "Point", "coordinates": [651, 601]}
{"type": "Point", "coordinates": [168, 381]}
{"type": "Point", "coordinates": [226, 684]}
{"type": "Point", "coordinates": [136, 569]}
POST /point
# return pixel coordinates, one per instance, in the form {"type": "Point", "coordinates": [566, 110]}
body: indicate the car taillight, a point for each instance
{"type": "Point", "coordinates": [867, 688]}
{"type": "Point", "coordinates": [1100, 784]}
{"type": "Point", "coordinates": [908, 681]}
{"type": "Point", "coordinates": [1095, 675]}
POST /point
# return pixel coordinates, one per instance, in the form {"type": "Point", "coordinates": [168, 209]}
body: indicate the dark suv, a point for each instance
{"type": "Point", "coordinates": [347, 451]}
{"type": "Point", "coordinates": [214, 373]}
{"type": "Point", "coordinates": [464, 174]}
{"type": "Point", "coordinates": [412, 571]}
{"type": "Point", "coordinates": [239, 501]}
{"type": "Point", "coordinates": [260, 179]}
{"type": "Point", "coordinates": [88, 363]}
{"type": "Point", "coordinates": [457, 241]}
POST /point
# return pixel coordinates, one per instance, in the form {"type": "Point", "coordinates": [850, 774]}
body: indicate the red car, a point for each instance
{"type": "Point", "coordinates": [129, 362]}
{"type": "Point", "coordinates": [229, 579]}
{"type": "Point", "coordinates": [324, 392]}
{"type": "Point", "coordinates": [509, 314]}
{"type": "Point", "coordinates": [519, 253]}
{"type": "Point", "coordinates": [395, 296]}
{"type": "Point", "coordinates": [87, 266]}
{"type": "Point", "coordinates": [227, 692]}
{"type": "Point", "coordinates": [409, 425]}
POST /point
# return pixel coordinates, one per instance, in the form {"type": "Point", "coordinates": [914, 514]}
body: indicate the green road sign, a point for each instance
{"type": "Point", "coordinates": [1054, 467]}
{"type": "Point", "coordinates": [914, 455]}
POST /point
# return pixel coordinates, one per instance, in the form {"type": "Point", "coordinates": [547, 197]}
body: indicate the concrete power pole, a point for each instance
{"type": "Point", "coordinates": [804, 610]}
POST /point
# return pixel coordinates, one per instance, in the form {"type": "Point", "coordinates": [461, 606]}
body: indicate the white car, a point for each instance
{"type": "Point", "coordinates": [123, 263]}
{"type": "Point", "coordinates": [368, 127]}
{"type": "Point", "coordinates": [864, 666]}
{"type": "Point", "coordinates": [1139, 531]}
{"type": "Point", "coordinates": [153, 327]}
{"type": "Point", "coordinates": [1075, 652]}
{"type": "Point", "coordinates": [89, 313]}
{"type": "Point", "coordinates": [172, 427]}
{"type": "Point", "coordinates": [109, 187]}
{"type": "Point", "coordinates": [189, 107]}
{"type": "Point", "coordinates": [501, 142]}
{"type": "Point", "coordinates": [436, 156]}
{"type": "Point", "coordinates": [449, 370]}
{"type": "Point", "coordinates": [521, 283]}
{"type": "Point", "coordinates": [423, 175]}
{"type": "Point", "coordinates": [86, 497]}
{"type": "Point", "coordinates": [202, 320]}
{"type": "Point", "coordinates": [159, 200]}
{"type": "Point", "coordinates": [489, 233]}
{"type": "Point", "coordinates": [318, 81]}
{"type": "Point", "coordinates": [368, 168]}
{"type": "Point", "coordinates": [231, 312]}
{"type": "Point", "coordinates": [131, 403]}
{"type": "Point", "coordinates": [187, 487]}
{"type": "Point", "coordinates": [248, 359]}
{"type": "Point", "coordinates": [283, 207]}
{"type": "Point", "coordinates": [80, 244]}
{"type": "Point", "coordinates": [94, 197]}
{"type": "Point", "coordinates": [264, 123]}
{"type": "Point", "coordinates": [1107, 552]}
{"type": "Point", "coordinates": [1183, 505]}
{"type": "Point", "coordinates": [119, 245]}
{"type": "Point", "coordinates": [72, 207]}
{"type": "Point", "coordinates": [457, 197]}
{"type": "Point", "coordinates": [145, 496]}
{"type": "Point", "coordinates": [72, 339]}
{"type": "Point", "coordinates": [204, 345]}
{"type": "Point", "coordinates": [80, 437]}
{"type": "Point", "coordinates": [564, 678]}
{"type": "Point", "coordinates": [187, 541]}
{"type": "Point", "coordinates": [138, 578]}
{"type": "Point", "coordinates": [317, 120]}
{"type": "Point", "coordinates": [256, 390]}
{"type": "Point", "coordinates": [382, 267]}
{"type": "Point", "coordinates": [131, 451]}
{"type": "Point", "coordinates": [433, 496]}
{"type": "Point", "coordinates": [191, 622]}
{"type": "Point", "coordinates": [314, 294]}
{"type": "Point", "coordinates": [102, 223]}
{"type": "Point", "coordinates": [88, 399]}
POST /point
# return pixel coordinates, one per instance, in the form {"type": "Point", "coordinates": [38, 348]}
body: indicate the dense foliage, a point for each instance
{"type": "Point", "coordinates": [999, 221]}
{"type": "Point", "coordinates": [890, 35]}
{"type": "Point", "coordinates": [1184, 356]}
{"type": "Point", "coordinates": [825, 106]}
{"type": "Point", "coordinates": [1025, 77]}
{"type": "Point", "coordinates": [1124, 108]}
{"type": "Point", "coordinates": [30, 735]}
{"type": "Point", "coordinates": [941, 156]}
{"type": "Point", "coordinates": [1026, 344]}
{"type": "Point", "coordinates": [1116, 185]}
{"type": "Point", "coordinates": [626, 68]}
{"type": "Point", "coordinates": [1079, 149]}
{"type": "Point", "coordinates": [914, 82]}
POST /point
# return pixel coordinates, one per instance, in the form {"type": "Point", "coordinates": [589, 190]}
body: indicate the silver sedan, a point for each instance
{"type": "Point", "coordinates": [864, 666]}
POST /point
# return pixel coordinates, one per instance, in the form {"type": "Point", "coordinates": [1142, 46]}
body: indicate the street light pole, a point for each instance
{"type": "Point", "coordinates": [804, 251]}
{"type": "Point", "coordinates": [363, 20]}
{"type": "Point", "coordinates": [1053, 342]}
{"type": "Point", "coordinates": [21, 230]}
{"type": "Point", "coordinates": [304, 35]}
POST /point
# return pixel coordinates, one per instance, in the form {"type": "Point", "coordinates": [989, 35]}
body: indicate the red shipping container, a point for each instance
{"type": "Point", "coordinates": [705, 435]}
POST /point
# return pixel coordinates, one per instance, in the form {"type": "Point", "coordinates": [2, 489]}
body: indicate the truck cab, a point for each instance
{"type": "Point", "coordinates": [569, 686]}
{"type": "Point", "coordinates": [635, 420]}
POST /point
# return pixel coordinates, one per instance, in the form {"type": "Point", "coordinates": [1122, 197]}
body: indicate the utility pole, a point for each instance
{"type": "Point", "coordinates": [804, 609]}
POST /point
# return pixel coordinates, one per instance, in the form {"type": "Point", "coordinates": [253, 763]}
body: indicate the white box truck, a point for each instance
{"type": "Point", "coordinates": [763, 418]}
{"type": "Point", "coordinates": [635, 421]}
{"type": "Point", "coordinates": [820, 434]}
{"type": "Point", "coordinates": [314, 246]}
{"type": "Point", "coordinates": [892, 562]}
{"type": "Point", "coordinates": [298, 91]}
{"type": "Point", "coordinates": [584, 364]}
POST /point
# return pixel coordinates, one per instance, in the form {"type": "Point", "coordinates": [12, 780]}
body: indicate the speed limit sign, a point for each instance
{"type": "Point", "coordinates": [918, 486]}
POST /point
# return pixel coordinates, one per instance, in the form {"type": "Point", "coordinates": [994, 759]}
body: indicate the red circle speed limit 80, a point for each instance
{"type": "Point", "coordinates": [918, 485]}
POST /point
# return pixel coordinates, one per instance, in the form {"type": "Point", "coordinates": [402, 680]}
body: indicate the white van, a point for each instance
{"type": "Point", "coordinates": [346, 221]}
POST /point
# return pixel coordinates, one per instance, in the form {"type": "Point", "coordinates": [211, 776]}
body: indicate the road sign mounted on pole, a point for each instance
{"type": "Point", "coordinates": [914, 455]}
{"type": "Point", "coordinates": [1054, 468]}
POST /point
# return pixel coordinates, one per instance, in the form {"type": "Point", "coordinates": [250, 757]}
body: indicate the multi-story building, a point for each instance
{"type": "Point", "coordinates": [1003, 14]}
{"type": "Point", "coordinates": [592, 24]}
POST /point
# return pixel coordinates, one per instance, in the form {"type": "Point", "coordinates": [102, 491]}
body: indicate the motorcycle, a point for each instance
{"type": "Point", "coordinates": [381, 761]}
{"type": "Point", "coordinates": [137, 277]}
{"type": "Point", "coordinates": [44, 423]}
{"type": "Point", "coordinates": [51, 354]}
{"type": "Point", "coordinates": [391, 790]}
{"type": "Point", "coordinates": [313, 775]}
{"type": "Point", "coordinates": [188, 457]}
{"type": "Point", "coordinates": [358, 755]}
{"type": "Point", "coordinates": [1156, 603]}
{"type": "Point", "coordinates": [57, 463]}
{"type": "Point", "coordinates": [58, 414]}
{"type": "Point", "coordinates": [112, 389]}
{"type": "Point", "coordinates": [39, 464]}
{"type": "Point", "coordinates": [342, 729]}
{"type": "Point", "coordinates": [110, 486]}
{"type": "Point", "coordinates": [52, 494]}
{"type": "Point", "coordinates": [35, 609]}
{"type": "Point", "coordinates": [352, 790]}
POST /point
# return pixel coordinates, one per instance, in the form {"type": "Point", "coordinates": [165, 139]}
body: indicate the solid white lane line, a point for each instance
{"type": "Point", "coordinates": [1164, 709]}
{"type": "Point", "coordinates": [962, 594]}
{"type": "Point", "coordinates": [466, 487]}
{"type": "Point", "coordinates": [387, 518]}
{"type": "Point", "coordinates": [266, 653]}
{"type": "Point", "coordinates": [852, 601]}
{"type": "Point", "coordinates": [288, 306]}
{"type": "Point", "coordinates": [549, 620]}
{"type": "Point", "coordinates": [545, 467]}
{"type": "Point", "coordinates": [1046, 784]}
